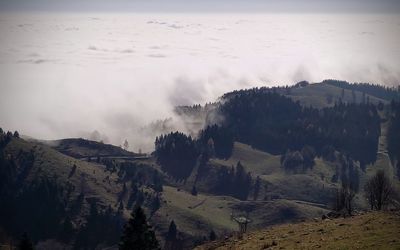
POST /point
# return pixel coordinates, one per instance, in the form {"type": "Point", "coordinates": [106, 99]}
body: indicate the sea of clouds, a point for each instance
{"type": "Point", "coordinates": [66, 75]}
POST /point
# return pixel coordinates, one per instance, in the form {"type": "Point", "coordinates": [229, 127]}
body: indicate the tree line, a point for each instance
{"type": "Point", "coordinates": [234, 181]}
{"type": "Point", "coordinates": [178, 153]}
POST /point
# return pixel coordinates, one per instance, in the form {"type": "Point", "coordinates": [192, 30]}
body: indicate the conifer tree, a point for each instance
{"type": "Point", "coordinates": [194, 191]}
{"type": "Point", "coordinates": [137, 234]}
{"type": "Point", "coordinates": [213, 236]}
{"type": "Point", "coordinates": [257, 188]}
{"type": "Point", "coordinates": [171, 236]}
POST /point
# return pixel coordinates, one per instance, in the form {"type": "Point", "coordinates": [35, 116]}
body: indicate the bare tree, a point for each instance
{"type": "Point", "coordinates": [379, 190]}
{"type": "Point", "coordinates": [344, 200]}
{"type": "Point", "coordinates": [126, 144]}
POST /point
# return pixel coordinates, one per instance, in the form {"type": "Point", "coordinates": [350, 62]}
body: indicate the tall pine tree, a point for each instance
{"type": "Point", "coordinates": [137, 233]}
{"type": "Point", "coordinates": [172, 231]}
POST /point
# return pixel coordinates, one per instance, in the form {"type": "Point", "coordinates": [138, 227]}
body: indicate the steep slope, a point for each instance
{"type": "Point", "coordinates": [69, 193]}
{"type": "Point", "coordinates": [87, 177]}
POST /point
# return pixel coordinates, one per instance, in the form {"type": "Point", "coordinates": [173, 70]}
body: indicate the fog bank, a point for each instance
{"type": "Point", "coordinates": [66, 75]}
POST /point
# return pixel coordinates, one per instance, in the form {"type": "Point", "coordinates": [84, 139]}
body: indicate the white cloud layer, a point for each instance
{"type": "Point", "coordinates": [65, 75]}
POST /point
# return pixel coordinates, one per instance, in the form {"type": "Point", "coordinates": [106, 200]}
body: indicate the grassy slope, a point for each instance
{"type": "Point", "coordinates": [89, 178]}
{"type": "Point", "coordinates": [197, 215]}
{"type": "Point", "coordinates": [375, 230]}
{"type": "Point", "coordinates": [316, 95]}
{"type": "Point", "coordinates": [78, 148]}
{"type": "Point", "coordinates": [212, 212]}
{"type": "Point", "coordinates": [215, 212]}
{"type": "Point", "coordinates": [311, 186]}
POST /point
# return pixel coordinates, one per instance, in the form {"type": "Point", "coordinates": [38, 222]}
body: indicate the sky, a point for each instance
{"type": "Point", "coordinates": [318, 6]}
{"type": "Point", "coordinates": [66, 71]}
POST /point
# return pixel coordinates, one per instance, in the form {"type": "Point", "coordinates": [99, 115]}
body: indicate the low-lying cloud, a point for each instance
{"type": "Point", "coordinates": [122, 75]}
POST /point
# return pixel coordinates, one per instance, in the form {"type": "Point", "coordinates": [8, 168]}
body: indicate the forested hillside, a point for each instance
{"type": "Point", "coordinates": [274, 155]}
{"type": "Point", "coordinates": [81, 204]}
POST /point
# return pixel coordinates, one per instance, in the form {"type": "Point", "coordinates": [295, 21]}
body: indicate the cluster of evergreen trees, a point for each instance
{"type": "Point", "coordinates": [217, 140]}
{"type": "Point", "coordinates": [274, 123]}
{"type": "Point", "coordinates": [138, 197]}
{"type": "Point", "coordinates": [178, 153]}
{"type": "Point", "coordinates": [234, 181]}
{"type": "Point", "coordinates": [102, 227]}
{"type": "Point", "coordinates": [140, 174]}
{"type": "Point", "coordinates": [298, 161]}
{"type": "Point", "coordinates": [137, 234]}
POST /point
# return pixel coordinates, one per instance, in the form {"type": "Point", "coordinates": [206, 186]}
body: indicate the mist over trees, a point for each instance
{"type": "Point", "coordinates": [269, 121]}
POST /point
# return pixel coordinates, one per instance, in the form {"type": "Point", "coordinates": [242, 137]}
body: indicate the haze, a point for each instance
{"type": "Point", "coordinates": [68, 70]}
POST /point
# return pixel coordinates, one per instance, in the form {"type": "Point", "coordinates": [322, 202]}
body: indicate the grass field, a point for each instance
{"type": "Point", "coordinates": [199, 214]}
{"type": "Point", "coordinates": [194, 214]}
{"type": "Point", "coordinates": [317, 95]}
